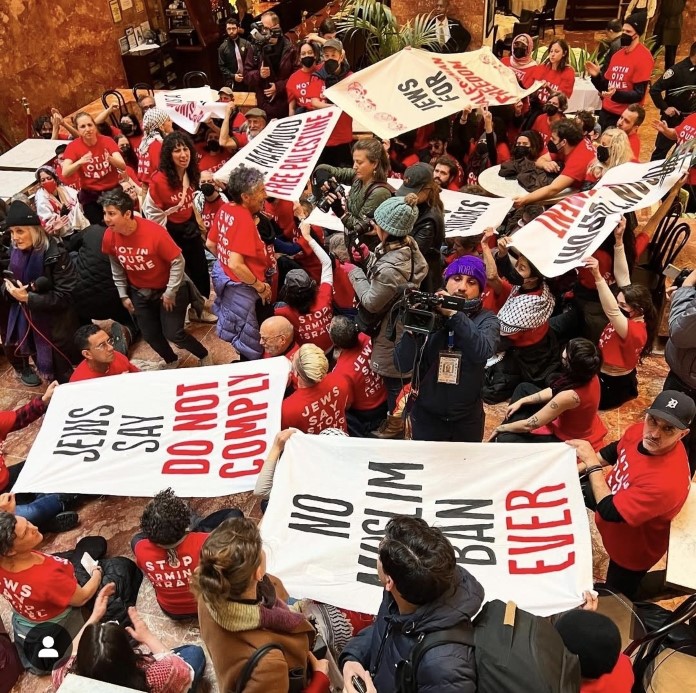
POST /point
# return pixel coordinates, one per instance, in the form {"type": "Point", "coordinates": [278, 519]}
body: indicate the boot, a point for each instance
{"type": "Point", "coordinates": [392, 427]}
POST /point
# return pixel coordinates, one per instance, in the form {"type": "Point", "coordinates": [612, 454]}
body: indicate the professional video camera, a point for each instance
{"type": "Point", "coordinates": [418, 312]}
{"type": "Point", "coordinates": [261, 35]}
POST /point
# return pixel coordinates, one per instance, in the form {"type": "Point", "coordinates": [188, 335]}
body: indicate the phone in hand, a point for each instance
{"type": "Point", "coordinates": [358, 684]}
{"type": "Point", "coordinates": [9, 274]}
{"type": "Point", "coordinates": [88, 563]}
{"type": "Point", "coordinates": [671, 272]}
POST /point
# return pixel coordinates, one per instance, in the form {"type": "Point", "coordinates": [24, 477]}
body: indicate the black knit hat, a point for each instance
{"type": "Point", "coordinates": [20, 214]}
{"type": "Point", "coordinates": [637, 20]}
{"type": "Point", "coordinates": [594, 638]}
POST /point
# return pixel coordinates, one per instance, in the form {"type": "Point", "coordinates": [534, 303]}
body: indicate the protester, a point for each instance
{"type": "Point", "coordinates": [629, 121]}
{"type": "Point", "coordinates": [241, 608]}
{"type": "Point", "coordinates": [614, 149]}
{"type": "Point", "coordinates": [684, 132]}
{"type": "Point", "coordinates": [554, 72]}
{"type": "Point", "coordinates": [297, 87]}
{"type": "Point", "coordinates": [156, 125]}
{"type": "Point", "coordinates": [521, 60]}
{"type": "Point", "coordinates": [645, 489]}
{"type": "Point", "coordinates": [232, 54]}
{"type": "Point", "coordinates": [424, 591]}
{"type": "Point", "coordinates": [553, 111]}
{"type": "Point", "coordinates": [207, 201]}
{"type": "Point", "coordinates": [277, 337]}
{"type": "Point", "coordinates": [100, 356]}
{"type": "Point", "coordinates": [446, 173]}
{"type": "Point", "coordinates": [57, 206]}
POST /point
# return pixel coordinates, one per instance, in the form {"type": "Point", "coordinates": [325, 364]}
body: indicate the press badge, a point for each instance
{"type": "Point", "coordinates": [449, 363]}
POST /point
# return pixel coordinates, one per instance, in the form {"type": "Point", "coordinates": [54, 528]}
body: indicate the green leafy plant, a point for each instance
{"type": "Point", "coordinates": [383, 34]}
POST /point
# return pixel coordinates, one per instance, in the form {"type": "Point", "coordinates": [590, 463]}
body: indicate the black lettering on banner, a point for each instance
{"type": "Point", "coordinates": [92, 433]}
{"type": "Point", "coordinates": [394, 475]}
{"type": "Point", "coordinates": [461, 535]}
{"type": "Point", "coordinates": [328, 525]}
{"type": "Point", "coordinates": [466, 215]}
{"type": "Point", "coordinates": [271, 150]}
{"type": "Point", "coordinates": [438, 90]}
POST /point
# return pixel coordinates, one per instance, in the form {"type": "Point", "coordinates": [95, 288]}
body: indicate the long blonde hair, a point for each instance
{"type": "Point", "coordinates": [620, 152]}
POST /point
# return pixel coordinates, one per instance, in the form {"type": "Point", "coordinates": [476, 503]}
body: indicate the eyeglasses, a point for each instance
{"type": "Point", "coordinates": [103, 345]}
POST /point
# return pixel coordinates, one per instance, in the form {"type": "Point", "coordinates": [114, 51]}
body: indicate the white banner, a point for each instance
{"type": "Point", "coordinates": [203, 431]}
{"type": "Point", "coordinates": [514, 513]}
{"type": "Point", "coordinates": [416, 87]}
{"type": "Point", "coordinates": [188, 108]}
{"type": "Point", "coordinates": [559, 239]}
{"type": "Point", "coordinates": [287, 151]}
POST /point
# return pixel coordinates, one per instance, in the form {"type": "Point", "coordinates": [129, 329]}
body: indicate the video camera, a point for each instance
{"type": "Point", "coordinates": [418, 312]}
{"type": "Point", "coordinates": [261, 35]}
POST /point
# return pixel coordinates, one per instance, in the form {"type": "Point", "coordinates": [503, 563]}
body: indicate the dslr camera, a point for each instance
{"type": "Point", "coordinates": [333, 188]}
{"type": "Point", "coordinates": [418, 311]}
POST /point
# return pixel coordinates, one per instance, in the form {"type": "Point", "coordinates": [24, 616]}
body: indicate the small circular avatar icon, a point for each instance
{"type": "Point", "coordinates": [47, 645]}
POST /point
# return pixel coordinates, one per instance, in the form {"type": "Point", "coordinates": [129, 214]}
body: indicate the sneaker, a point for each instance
{"type": "Point", "coordinates": [206, 361]}
{"type": "Point", "coordinates": [205, 316]}
{"type": "Point", "coordinates": [170, 366]}
{"type": "Point", "coordinates": [119, 337]}
{"type": "Point", "coordinates": [63, 522]}
{"type": "Point", "coordinates": [28, 377]}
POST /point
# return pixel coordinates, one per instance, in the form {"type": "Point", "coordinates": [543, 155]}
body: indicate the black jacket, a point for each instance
{"type": "Point", "coordinates": [227, 60]}
{"type": "Point", "coordinates": [682, 74]}
{"type": "Point", "coordinates": [449, 668]}
{"type": "Point", "coordinates": [286, 65]}
{"type": "Point", "coordinates": [429, 233]}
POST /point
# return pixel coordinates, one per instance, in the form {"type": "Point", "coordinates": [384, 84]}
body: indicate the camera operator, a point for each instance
{"type": "Point", "coordinates": [269, 64]}
{"type": "Point", "coordinates": [368, 186]}
{"type": "Point", "coordinates": [445, 402]}
{"type": "Point", "coordinates": [395, 264]}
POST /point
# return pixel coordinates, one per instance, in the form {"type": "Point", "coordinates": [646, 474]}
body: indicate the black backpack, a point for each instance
{"type": "Point", "coordinates": [516, 652]}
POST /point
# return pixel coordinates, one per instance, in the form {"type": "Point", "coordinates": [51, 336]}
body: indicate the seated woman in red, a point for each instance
{"type": "Point", "coordinates": [570, 404]}
{"type": "Point", "coordinates": [555, 72]}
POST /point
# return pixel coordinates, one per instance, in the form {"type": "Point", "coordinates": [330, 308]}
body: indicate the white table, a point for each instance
{"type": "Point", "coordinates": [532, 5]}
{"type": "Point", "coordinates": [13, 182]}
{"type": "Point", "coordinates": [681, 555]}
{"type": "Point", "coordinates": [584, 97]}
{"type": "Point", "coordinates": [30, 154]}
{"type": "Point", "coordinates": [497, 185]}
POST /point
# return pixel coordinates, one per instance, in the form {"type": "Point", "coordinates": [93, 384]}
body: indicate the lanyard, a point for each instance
{"type": "Point", "coordinates": [450, 340]}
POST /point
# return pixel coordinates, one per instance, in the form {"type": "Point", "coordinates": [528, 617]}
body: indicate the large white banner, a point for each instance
{"type": "Point", "coordinates": [416, 87]}
{"type": "Point", "coordinates": [559, 239]}
{"type": "Point", "coordinates": [287, 151]}
{"type": "Point", "coordinates": [514, 513]}
{"type": "Point", "coordinates": [202, 431]}
{"type": "Point", "coordinates": [188, 108]}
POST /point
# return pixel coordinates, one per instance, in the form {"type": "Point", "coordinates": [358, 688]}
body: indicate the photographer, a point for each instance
{"type": "Point", "coordinates": [368, 186]}
{"type": "Point", "coordinates": [445, 403]}
{"type": "Point", "coordinates": [269, 64]}
{"type": "Point", "coordinates": [396, 263]}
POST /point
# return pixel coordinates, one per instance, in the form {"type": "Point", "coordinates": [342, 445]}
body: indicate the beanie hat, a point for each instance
{"type": "Point", "coordinates": [638, 21]}
{"type": "Point", "coordinates": [396, 216]}
{"type": "Point", "coordinates": [154, 118]}
{"type": "Point", "coordinates": [21, 214]}
{"type": "Point", "coordinates": [471, 266]}
{"type": "Point", "coordinates": [594, 638]}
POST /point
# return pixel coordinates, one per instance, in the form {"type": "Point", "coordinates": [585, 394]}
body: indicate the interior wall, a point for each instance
{"type": "Point", "coordinates": [59, 53]}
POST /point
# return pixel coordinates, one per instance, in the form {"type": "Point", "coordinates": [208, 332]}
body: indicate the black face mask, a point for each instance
{"type": "Point", "coordinates": [520, 151]}
{"type": "Point", "coordinates": [207, 189]}
{"type": "Point", "coordinates": [514, 277]}
{"type": "Point", "coordinates": [481, 148]}
{"type": "Point", "coordinates": [551, 109]}
{"type": "Point", "coordinates": [127, 129]}
{"type": "Point", "coordinates": [552, 147]}
{"type": "Point", "coordinates": [626, 40]}
{"type": "Point", "coordinates": [602, 154]}
{"type": "Point", "coordinates": [126, 150]}
{"type": "Point", "coordinates": [331, 66]}
{"type": "Point", "coordinates": [212, 146]}
{"type": "Point", "coordinates": [519, 52]}
{"type": "Point", "coordinates": [308, 60]}
{"type": "Point", "coordinates": [627, 313]}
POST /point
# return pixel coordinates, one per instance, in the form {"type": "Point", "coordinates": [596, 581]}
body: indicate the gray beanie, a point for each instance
{"type": "Point", "coordinates": [397, 215]}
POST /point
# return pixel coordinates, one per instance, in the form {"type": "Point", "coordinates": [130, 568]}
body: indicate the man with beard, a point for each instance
{"type": "Point", "coordinates": [334, 69]}
{"type": "Point", "coordinates": [646, 488]}
{"type": "Point", "coordinates": [446, 173]}
{"type": "Point", "coordinates": [447, 405]}
{"type": "Point", "coordinates": [231, 55]}
{"type": "Point", "coordinates": [268, 66]}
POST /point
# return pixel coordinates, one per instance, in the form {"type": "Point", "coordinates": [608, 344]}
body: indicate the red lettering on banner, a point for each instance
{"type": "Point", "coordinates": [536, 539]}
{"type": "Point", "coordinates": [559, 218]}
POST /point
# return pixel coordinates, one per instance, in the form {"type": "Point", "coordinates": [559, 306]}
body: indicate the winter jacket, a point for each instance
{"type": "Point", "coordinates": [476, 338]}
{"type": "Point", "coordinates": [429, 233]}
{"type": "Point", "coordinates": [527, 174]}
{"type": "Point", "coordinates": [669, 21]}
{"type": "Point", "coordinates": [278, 107]}
{"type": "Point", "coordinates": [389, 270]}
{"type": "Point", "coordinates": [680, 351]}
{"type": "Point", "coordinates": [448, 668]}
{"type": "Point", "coordinates": [235, 306]}
{"type": "Point", "coordinates": [227, 61]}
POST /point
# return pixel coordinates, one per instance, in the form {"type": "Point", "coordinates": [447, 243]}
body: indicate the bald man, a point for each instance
{"type": "Point", "coordinates": [278, 337]}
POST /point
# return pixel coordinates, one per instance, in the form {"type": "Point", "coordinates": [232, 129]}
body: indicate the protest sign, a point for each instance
{"type": "Point", "coordinates": [188, 108]}
{"type": "Point", "coordinates": [559, 239]}
{"type": "Point", "coordinates": [202, 431]}
{"type": "Point", "coordinates": [416, 87]}
{"type": "Point", "coordinates": [514, 514]}
{"type": "Point", "coordinates": [286, 151]}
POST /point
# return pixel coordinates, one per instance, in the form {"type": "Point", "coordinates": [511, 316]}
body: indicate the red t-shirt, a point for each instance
{"type": "Point", "coordinates": [283, 213]}
{"type": "Point", "coordinates": [146, 254]}
{"type": "Point", "coordinates": [525, 75]}
{"type": "Point", "coordinates": [543, 127]}
{"type": "Point", "coordinates": [618, 680]}
{"type": "Point", "coordinates": [234, 231]}
{"type": "Point", "coordinates": [171, 580]}
{"type": "Point", "coordinates": [648, 491]}
{"type": "Point", "coordinates": [7, 421]}
{"type": "Point", "coordinates": [312, 409]}
{"type": "Point", "coordinates": [210, 210]}
{"type": "Point", "coordinates": [343, 291]}
{"type": "Point", "coordinates": [625, 71]}
{"type": "Point", "coordinates": [99, 174]}
{"type": "Point", "coordinates": [313, 327]}
{"type": "Point", "coordinates": [297, 88]}
{"type": "Point", "coordinates": [307, 259]}
{"type": "Point", "coordinates": [343, 130]}
{"type": "Point", "coordinates": [687, 131]}
{"type": "Point", "coordinates": [558, 80]}
{"type": "Point", "coordinates": [212, 161]}
{"type": "Point", "coordinates": [368, 387]}
{"type": "Point", "coordinates": [148, 162]}
{"type": "Point", "coordinates": [492, 302]}
{"type": "Point", "coordinates": [634, 141]}
{"type": "Point", "coordinates": [623, 353]}
{"type": "Point", "coordinates": [164, 196]}
{"type": "Point", "coordinates": [606, 269]}
{"type": "Point", "coordinates": [576, 163]}
{"type": "Point", "coordinates": [41, 592]}
{"type": "Point", "coordinates": [119, 365]}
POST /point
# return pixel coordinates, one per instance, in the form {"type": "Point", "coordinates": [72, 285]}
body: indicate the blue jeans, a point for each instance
{"type": "Point", "coordinates": [41, 510]}
{"type": "Point", "coordinates": [194, 657]}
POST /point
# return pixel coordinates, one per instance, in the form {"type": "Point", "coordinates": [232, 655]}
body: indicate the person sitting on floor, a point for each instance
{"type": "Point", "coordinates": [101, 356]}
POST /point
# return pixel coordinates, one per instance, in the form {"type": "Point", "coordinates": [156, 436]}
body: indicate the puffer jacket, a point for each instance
{"type": "Point", "coordinates": [680, 351]}
{"type": "Point", "coordinates": [448, 668]}
{"type": "Point", "coordinates": [235, 306]}
{"type": "Point", "coordinates": [389, 269]}
{"type": "Point", "coordinates": [95, 289]}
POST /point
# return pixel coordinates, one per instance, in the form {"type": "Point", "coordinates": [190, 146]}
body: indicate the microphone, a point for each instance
{"type": "Point", "coordinates": [41, 285]}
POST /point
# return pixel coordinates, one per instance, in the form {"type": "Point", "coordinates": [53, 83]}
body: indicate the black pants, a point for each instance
{"type": "Point", "coordinates": [428, 426]}
{"type": "Point", "coordinates": [617, 389]}
{"type": "Point", "coordinates": [672, 382]}
{"type": "Point", "coordinates": [524, 412]}
{"type": "Point", "coordinates": [189, 239]}
{"type": "Point", "coordinates": [394, 386]}
{"type": "Point", "coordinates": [623, 580]}
{"type": "Point", "coordinates": [607, 120]}
{"type": "Point", "coordinates": [362, 423]}
{"type": "Point", "coordinates": [159, 326]}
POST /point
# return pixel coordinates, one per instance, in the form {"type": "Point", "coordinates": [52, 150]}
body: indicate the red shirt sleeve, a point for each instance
{"type": "Point", "coordinates": [157, 190]}
{"type": "Point", "coordinates": [567, 83]}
